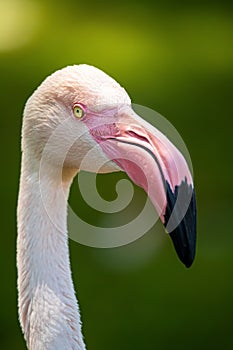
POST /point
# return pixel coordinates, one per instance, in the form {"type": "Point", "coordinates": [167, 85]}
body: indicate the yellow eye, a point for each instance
{"type": "Point", "coordinates": [78, 111]}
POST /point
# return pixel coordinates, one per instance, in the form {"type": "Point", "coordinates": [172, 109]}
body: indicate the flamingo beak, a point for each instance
{"type": "Point", "coordinates": [156, 165]}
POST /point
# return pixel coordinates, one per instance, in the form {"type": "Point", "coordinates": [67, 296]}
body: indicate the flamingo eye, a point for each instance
{"type": "Point", "coordinates": [78, 111]}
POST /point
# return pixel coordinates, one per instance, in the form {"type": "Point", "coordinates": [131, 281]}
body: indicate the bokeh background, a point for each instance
{"type": "Point", "coordinates": [175, 57]}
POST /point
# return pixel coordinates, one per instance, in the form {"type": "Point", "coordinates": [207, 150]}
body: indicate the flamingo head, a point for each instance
{"type": "Point", "coordinates": [84, 118]}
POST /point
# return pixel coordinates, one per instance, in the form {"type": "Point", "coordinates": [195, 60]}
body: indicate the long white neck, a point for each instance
{"type": "Point", "coordinates": [48, 308]}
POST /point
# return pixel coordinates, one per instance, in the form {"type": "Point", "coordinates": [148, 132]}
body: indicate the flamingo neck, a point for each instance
{"type": "Point", "coordinates": [48, 309]}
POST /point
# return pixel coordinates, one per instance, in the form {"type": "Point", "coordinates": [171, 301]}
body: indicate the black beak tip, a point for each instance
{"type": "Point", "coordinates": [185, 252]}
{"type": "Point", "coordinates": [188, 262]}
{"type": "Point", "coordinates": [184, 234]}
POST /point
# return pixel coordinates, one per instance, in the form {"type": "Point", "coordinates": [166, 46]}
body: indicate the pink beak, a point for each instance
{"type": "Point", "coordinates": [156, 165]}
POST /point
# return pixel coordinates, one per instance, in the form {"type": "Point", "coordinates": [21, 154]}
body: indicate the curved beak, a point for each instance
{"type": "Point", "coordinates": [156, 165]}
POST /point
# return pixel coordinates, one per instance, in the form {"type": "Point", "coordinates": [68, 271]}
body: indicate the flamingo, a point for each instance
{"type": "Point", "coordinates": [94, 106]}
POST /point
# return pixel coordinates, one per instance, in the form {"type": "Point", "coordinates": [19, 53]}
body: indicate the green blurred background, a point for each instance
{"type": "Point", "coordinates": [175, 57]}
